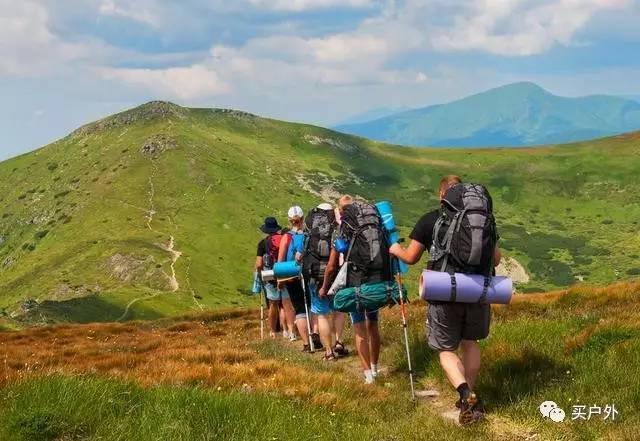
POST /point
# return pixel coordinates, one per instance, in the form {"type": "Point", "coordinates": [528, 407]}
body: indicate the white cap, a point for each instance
{"type": "Point", "coordinates": [295, 211]}
{"type": "Point", "coordinates": [325, 206]}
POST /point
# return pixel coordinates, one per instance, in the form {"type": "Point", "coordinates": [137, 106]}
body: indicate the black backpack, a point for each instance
{"type": "Point", "coordinates": [320, 225]}
{"type": "Point", "coordinates": [465, 234]}
{"type": "Point", "coordinates": [368, 254]}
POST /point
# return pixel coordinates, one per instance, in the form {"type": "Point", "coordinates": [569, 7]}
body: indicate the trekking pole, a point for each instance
{"type": "Point", "coordinates": [406, 333]}
{"type": "Point", "coordinates": [262, 296]}
{"type": "Point", "coordinates": [306, 309]}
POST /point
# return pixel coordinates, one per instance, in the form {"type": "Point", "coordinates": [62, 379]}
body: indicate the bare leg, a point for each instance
{"type": "Point", "coordinates": [374, 340]}
{"type": "Point", "coordinates": [453, 368]}
{"type": "Point", "coordinates": [283, 318]}
{"type": "Point", "coordinates": [338, 323]}
{"type": "Point", "coordinates": [362, 345]}
{"type": "Point", "coordinates": [471, 361]}
{"type": "Point", "coordinates": [301, 324]}
{"type": "Point", "coordinates": [290, 315]}
{"type": "Point", "coordinates": [325, 324]}
{"type": "Point", "coordinates": [315, 325]}
{"type": "Point", "coordinates": [273, 317]}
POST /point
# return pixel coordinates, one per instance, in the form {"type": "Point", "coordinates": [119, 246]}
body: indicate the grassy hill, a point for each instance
{"type": "Point", "coordinates": [209, 377]}
{"type": "Point", "coordinates": [517, 114]}
{"type": "Point", "coordinates": [155, 211]}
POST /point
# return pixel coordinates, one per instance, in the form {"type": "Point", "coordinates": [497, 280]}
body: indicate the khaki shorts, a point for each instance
{"type": "Point", "coordinates": [450, 323]}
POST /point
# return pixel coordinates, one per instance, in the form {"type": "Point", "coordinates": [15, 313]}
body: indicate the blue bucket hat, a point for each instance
{"type": "Point", "coordinates": [270, 225]}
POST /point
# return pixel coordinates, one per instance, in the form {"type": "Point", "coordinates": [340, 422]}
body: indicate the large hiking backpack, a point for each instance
{"type": "Point", "coordinates": [272, 246]}
{"type": "Point", "coordinates": [465, 235]}
{"type": "Point", "coordinates": [368, 254]}
{"type": "Point", "coordinates": [320, 225]}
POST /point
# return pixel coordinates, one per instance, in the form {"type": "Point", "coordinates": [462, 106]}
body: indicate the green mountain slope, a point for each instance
{"type": "Point", "coordinates": [518, 114]}
{"type": "Point", "coordinates": [155, 211]}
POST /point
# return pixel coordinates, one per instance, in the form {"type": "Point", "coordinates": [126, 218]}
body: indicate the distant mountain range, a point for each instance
{"type": "Point", "coordinates": [519, 114]}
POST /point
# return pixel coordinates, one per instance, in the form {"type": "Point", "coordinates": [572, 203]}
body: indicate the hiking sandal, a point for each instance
{"type": "Point", "coordinates": [340, 350]}
{"type": "Point", "coordinates": [329, 357]}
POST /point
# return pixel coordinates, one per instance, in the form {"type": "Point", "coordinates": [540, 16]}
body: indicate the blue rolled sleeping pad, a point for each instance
{"type": "Point", "coordinates": [386, 212]}
{"type": "Point", "coordinates": [285, 270]}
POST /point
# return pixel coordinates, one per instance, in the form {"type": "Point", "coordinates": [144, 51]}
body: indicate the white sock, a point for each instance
{"type": "Point", "coordinates": [368, 376]}
{"type": "Point", "coordinates": [374, 370]}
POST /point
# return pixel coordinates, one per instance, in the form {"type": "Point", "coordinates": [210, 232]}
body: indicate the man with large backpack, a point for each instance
{"type": "Point", "coordinates": [321, 224]}
{"type": "Point", "coordinates": [267, 256]}
{"type": "Point", "coordinates": [461, 237]}
{"type": "Point", "coordinates": [368, 261]}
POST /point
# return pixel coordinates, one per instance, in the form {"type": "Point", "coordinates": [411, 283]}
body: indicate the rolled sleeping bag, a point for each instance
{"type": "Point", "coordinates": [267, 276]}
{"type": "Point", "coordinates": [285, 270]}
{"type": "Point", "coordinates": [436, 286]}
{"type": "Point", "coordinates": [389, 223]}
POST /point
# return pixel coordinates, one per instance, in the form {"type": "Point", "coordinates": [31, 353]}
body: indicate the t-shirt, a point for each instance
{"type": "Point", "coordinates": [262, 248]}
{"type": "Point", "coordinates": [423, 231]}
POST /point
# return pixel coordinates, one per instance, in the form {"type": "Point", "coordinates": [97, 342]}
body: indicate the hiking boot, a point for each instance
{"type": "Point", "coordinates": [470, 410]}
{"type": "Point", "coordinates": [317, 344]}
{"type": "Point", "coordinates": [340, 350]}
{"type": "Point", "coordinates": [306, 349]}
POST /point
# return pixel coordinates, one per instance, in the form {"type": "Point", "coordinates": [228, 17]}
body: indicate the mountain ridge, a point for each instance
{"type": "Point", "coordinates": [518, 114]}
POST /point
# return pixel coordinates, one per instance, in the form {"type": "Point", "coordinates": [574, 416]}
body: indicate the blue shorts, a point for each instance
{"type": "Point", "coordinates": [359, 317]}
{"type": "Point", "coordinates": [274, 294]}
{"type": "Point", "coordinates": [319, 306]}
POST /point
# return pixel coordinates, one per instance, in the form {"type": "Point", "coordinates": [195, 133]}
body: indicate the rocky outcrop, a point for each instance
{"type": "Point", "coordinates": [157, 144]}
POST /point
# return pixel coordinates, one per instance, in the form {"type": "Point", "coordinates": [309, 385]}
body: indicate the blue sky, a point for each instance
{"type": "Point", "coordinates": [67, 62]}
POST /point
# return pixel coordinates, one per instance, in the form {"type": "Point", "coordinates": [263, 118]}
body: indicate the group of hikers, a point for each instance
{"type": "Point", "coordinates": [331, 239]}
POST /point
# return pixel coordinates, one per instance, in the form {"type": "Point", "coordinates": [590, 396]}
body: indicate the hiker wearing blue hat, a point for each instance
{"type": "Point", "coordinates": [266, 258]}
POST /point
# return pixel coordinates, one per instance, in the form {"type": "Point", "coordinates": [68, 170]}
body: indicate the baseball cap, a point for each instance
{"type": "Point", "coordinates": [295, 211]}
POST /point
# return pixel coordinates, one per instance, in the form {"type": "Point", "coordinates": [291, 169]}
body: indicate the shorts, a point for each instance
{"type": "Point", "coordinates": [359, 317]}
{"type": "Point", "coordinates": [294, 288]}
{"type": "Point", "coordinates": [319, 306]}
{"type": "Point", "coordinates": [274, 294]}
{"type": "Point", "coordinates": [450, 323]}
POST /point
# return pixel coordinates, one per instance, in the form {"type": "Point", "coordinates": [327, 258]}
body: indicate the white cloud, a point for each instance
{"type": "Point", "coordinates": [305, 5]}
{"type": "Point", "coordinates": [27, 45]}
{"type": "Point", "coordinates": [191, 82]}
{"type": "Point", "coordinates": [514, 28]}
{"type": "Point", "coordinates": [140, 11]}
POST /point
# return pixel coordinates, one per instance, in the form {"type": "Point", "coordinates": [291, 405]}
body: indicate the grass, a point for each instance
{"type": "Point", "coordinates": [209, 377]}
{"type": "Point", "coordinates": [86, 220]}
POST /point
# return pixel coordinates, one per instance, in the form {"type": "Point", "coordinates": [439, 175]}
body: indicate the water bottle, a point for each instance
{"type": "Point", "coordinates": [257, 283]}
{"type": "Point", "coordinates": [389, 223]}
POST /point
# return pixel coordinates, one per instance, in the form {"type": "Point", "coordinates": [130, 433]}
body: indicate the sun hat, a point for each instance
{"type": "Point", "coordinates": [270, 225]}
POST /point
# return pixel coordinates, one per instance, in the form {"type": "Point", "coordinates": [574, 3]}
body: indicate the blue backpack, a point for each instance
{"type": "Point", "coordinates": [296, 245]}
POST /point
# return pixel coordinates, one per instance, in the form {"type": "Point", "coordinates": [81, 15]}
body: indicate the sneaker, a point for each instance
{"type": "Point", "coordinates": [306, 349]}
{"type": "Point", "coordinates": [470, 412]}
{"type": "Point", "coordinates": [292, 337]}
{"type": "Point", "coordinates": [340, 350]}
{"type": "Point", "coordinates": [317, 344]}
{"type": "Point", "coordinates": [369, 378]}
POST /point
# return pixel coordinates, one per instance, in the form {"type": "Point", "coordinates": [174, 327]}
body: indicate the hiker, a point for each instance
{"type": "Point", "coordinates": [368, 262]}
{"type": "Point", "coordinates": [267, 255]}
{"type": "Point", "coordinates": [321, 225]}
{"type": "Point", "coordinates": [454, 325]}
{"type": "Point", "coordinates": [292, 249]}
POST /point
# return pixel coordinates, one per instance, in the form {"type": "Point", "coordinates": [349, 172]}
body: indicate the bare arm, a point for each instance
{"type": "Point", "coordinates": [497, 256]}
{"type": "Point", "coordinates": [284, 246]}
{"type": "Point", "coordinates": [329, 272]}
{"type": "Point", "coordinates": [411, 255]}
{"type": "Point", "coordinates": [259, 263]}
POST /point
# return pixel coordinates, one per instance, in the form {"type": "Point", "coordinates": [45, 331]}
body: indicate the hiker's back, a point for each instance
{"type": "Point", "coordinates": [465, 235]}
{"type": "Point", "coordinates": [368, 255]}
